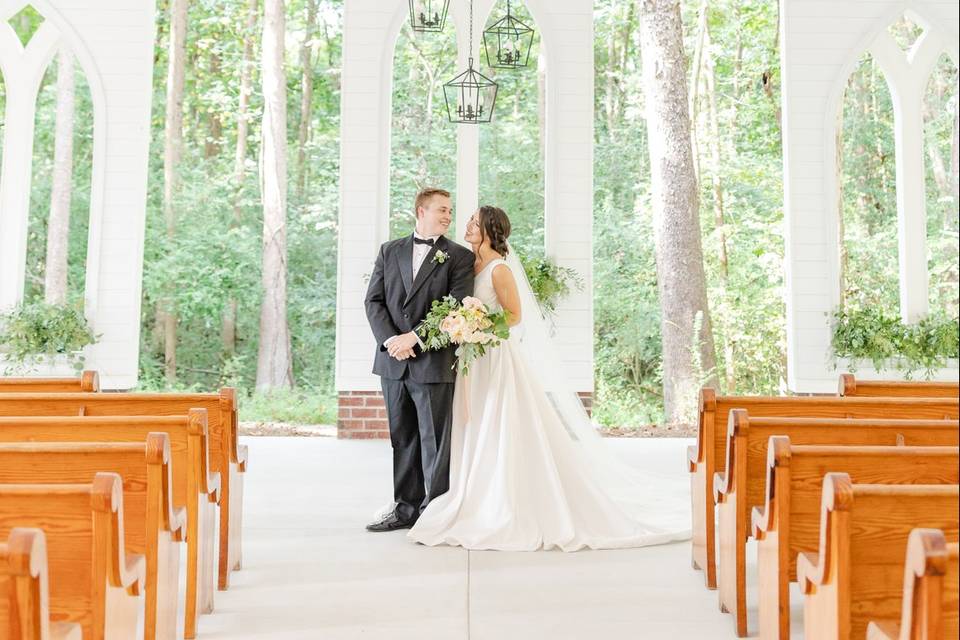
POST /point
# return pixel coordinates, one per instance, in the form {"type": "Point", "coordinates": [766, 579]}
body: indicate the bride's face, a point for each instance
{"type": "Point", "coordinates": [473, 235]}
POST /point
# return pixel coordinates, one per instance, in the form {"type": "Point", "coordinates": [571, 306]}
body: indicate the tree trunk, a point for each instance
{"type": "Point", "coordinates": [228, 326]}
{"type": "Point", "coordinates": [696, 66]}
{"type": "Point", "coordinates": [689, 358]}
{"type": "Point", "coordinates": [274, 360]}
{"type": "Point", "coordinates": [214, 140]}
{"type": "Point", "coordinates": [306, 98]}
{"type": "Point", "coordinates": [172, 153]}
{"type": "Point", "coordinates": [58, 232]}
{"type": "Point", "coordinates": [716, 162]}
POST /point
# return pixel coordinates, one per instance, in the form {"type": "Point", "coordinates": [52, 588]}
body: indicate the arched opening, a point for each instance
{"type": "Point", "coordinates": [60, 187]}
{"type": "Point", "coordinates": [423, 144]}
{"type": "Point", "coordinates": [868, 231]}
{"type": "Point", "coordinates": [941, 130]}
{"type": "Point", "coordinates": [511, 146]}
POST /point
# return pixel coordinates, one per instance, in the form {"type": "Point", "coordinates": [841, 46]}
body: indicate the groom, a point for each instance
{"type": "Point", "coordinates": [410, 274]}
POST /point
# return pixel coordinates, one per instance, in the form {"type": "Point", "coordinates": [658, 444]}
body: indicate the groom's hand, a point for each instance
{"type": "Point", "coordinates": [402, 344]}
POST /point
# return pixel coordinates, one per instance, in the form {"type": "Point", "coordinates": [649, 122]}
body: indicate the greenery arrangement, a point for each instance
{"type": "Point", "coordinates": [37, 330]}
{"type": "Point", "coordinates": [550, 282]}
{"type": "Point", "coordinates": [881, 338]}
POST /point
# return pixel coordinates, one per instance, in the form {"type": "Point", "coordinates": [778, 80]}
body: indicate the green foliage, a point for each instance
{"type": "Point", "coordinates": [300, 406]}
{"type": "Point", "coordinates": [550, 282]}
{"type": "Point", "coordinates": [876, 335]}
{"type": "Point", "coordinates": [40, 329]}
{"type": "Point", "coordinates": [429, 330]}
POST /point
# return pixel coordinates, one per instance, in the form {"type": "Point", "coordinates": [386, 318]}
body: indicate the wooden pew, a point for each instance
{"type": "Point", "coordinates": [152, 526]}
{"type": "Point", "coordinates": [195, 487]}
{"type": "Point", "coordinates": [88, 382]}
{"type": "Point", "coordinates": [787, 523]}
{"type": "Point", "coordinates": [706, 457]}
{"type": "Point", "coordinates": [856, 574]}
{"type": "Point", "coordinates": [850, 387]}
{"type": "Point", "coordinates": [227, 457]}
{"type": "Point", "coordinates": [930, 591]}
{"type": "Point", "coordinates": [24, 595]}
{"type": "Point", "coordinates": [93, 580]}
{"type": "Point", "coordinates": [741, 487]}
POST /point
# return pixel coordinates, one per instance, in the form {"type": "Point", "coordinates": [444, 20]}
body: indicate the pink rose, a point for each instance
{"type": "Point", "coordinates": [472, 303]}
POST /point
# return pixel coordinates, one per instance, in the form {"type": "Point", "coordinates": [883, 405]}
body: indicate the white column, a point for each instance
{"type": "Point", "coordinates": [23, 71]}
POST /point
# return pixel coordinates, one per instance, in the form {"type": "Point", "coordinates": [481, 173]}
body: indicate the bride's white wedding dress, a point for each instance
{"type": "Point", "coordinates": [521, 479]}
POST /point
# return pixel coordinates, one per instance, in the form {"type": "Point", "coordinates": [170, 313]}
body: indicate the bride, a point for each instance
{"type": "Point", "coordinates": [528, 470]}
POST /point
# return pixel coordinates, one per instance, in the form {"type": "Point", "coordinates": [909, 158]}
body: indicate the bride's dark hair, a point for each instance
{"type": "Point", "coordinates": [495, 224]}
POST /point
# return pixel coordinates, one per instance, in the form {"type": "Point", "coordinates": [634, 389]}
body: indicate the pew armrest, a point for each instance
{"type": "Point", "coordinates": [692, 458]}
{"type": "Point", "coordinates": [214, 486]}
{"type": "Point", "coordinates": [134, 573]}
{"type": "Point", "coordinates": [243, 454]}
{"type": "Point", "coordinates": [760, 522]}
{"type": "Point", "coordinates": [883, 631]}
{"type": "Point", "coordinates": [178, 524]}
{"type": "Point", "coordinates": [809, 572]}
{"type": "Point", "coordinates": [720, 488]}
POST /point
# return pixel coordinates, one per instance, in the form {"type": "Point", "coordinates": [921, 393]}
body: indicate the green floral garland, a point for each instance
{"type": "Point", "coordinates": [36, 330]}
{"type": "Point", "coordinates": [550, 282]}
{"type": "Point", "coordinates": [871, 334]}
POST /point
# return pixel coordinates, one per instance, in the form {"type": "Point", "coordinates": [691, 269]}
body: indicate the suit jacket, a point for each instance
{"type": "Point", "coordinates": [397, 304]}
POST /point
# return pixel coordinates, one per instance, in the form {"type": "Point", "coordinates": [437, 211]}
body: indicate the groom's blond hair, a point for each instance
{"type": "Point", "coordinates": [425, 195]}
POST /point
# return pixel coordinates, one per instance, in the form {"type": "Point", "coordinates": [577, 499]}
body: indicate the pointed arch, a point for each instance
{"type": "Point", "coordinates": [868, 190]}
{"type": "Point", "coordinates": [75, 169]}
{"type": "Point", "coordinates": [940, 115]}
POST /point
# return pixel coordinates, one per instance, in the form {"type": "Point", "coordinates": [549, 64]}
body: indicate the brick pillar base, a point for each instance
{"type": "Point", "coordinates": [361, 415]}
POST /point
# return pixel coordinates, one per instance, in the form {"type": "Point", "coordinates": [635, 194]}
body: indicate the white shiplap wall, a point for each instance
{"type": "Point", "coordinates": [822, 41]}
{"type": "Point", "coordinates": [370, 33]}
{"type": "Point", "coordinates": [113, 41]}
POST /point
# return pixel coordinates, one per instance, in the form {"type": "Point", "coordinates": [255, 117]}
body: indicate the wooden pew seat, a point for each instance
{"type": "Point", "coordinates": [94, 581]}
{"type": "Point", "coordinates": [741, 486]}
{"type": "Point", "coordinates": [788, 521]}
{"type": "Point", "coordinates": [856, 574]}
{"type": "Point", "coordinates": [194, 487]}
{"type": "Point", "coordinates": [24, 595]}
{"type": "Point", "coordinates": [226, 456]}
{"type": "Point", "coordinates": [86, 382]}
{"type": "Point", "coordinates": [709, 455]}
{"type": "Point", "coordinates": [930, 591]}
{"type": "Point", "coordinates": [850, 387]}
{"type": "Point", "coordinates": [152, 526]}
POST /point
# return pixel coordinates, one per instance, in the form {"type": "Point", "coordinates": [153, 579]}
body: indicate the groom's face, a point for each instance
{"type": "Point", "coordinates": [434, 216]}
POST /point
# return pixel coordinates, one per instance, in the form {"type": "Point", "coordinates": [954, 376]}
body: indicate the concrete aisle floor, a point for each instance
{"type": "Point", "coordinates": [311, 571]}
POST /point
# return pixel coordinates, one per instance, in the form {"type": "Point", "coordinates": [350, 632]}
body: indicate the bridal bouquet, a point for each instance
{"type": "Point", "coordinates": [468, 324]}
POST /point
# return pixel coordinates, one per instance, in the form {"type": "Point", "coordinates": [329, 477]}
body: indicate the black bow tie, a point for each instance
{"type": "Point", "coordinates": [428, 241]}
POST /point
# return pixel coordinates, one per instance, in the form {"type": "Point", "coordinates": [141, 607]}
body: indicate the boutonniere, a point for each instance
{"type": "Point", "coordinates": [440, 257]}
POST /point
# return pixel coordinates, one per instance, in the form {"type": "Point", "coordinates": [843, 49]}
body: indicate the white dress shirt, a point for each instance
{"type": "Point", "coordinates": [420, 252]}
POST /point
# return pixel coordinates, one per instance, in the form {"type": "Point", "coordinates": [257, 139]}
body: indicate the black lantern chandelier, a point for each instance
{"type": "Point", "coordinates": [508, 42]}
{"type": "Point", "coordinates": [428, 15]}
{"type": "Point", "coordinates": [471, 96]}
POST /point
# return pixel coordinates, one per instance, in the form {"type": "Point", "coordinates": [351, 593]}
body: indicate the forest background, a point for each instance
{"type": "Point", "coordinates": [202, 293]}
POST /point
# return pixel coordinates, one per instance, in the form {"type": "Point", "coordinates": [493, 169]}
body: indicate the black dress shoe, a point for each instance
{"type": "Point", "coordinates": [392, 522]}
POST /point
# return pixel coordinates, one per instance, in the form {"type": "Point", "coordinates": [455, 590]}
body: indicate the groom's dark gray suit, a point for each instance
{"type": "Point", "coordinates": [418, 391]}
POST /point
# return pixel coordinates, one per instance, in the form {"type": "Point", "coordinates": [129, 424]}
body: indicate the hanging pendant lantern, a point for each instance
{"type": "Point", "coordinates": [508, 42]}
{"type": "Point", "coordinates": [471, 96]}
{"type": "Point", "coordinates": [428, 15]}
